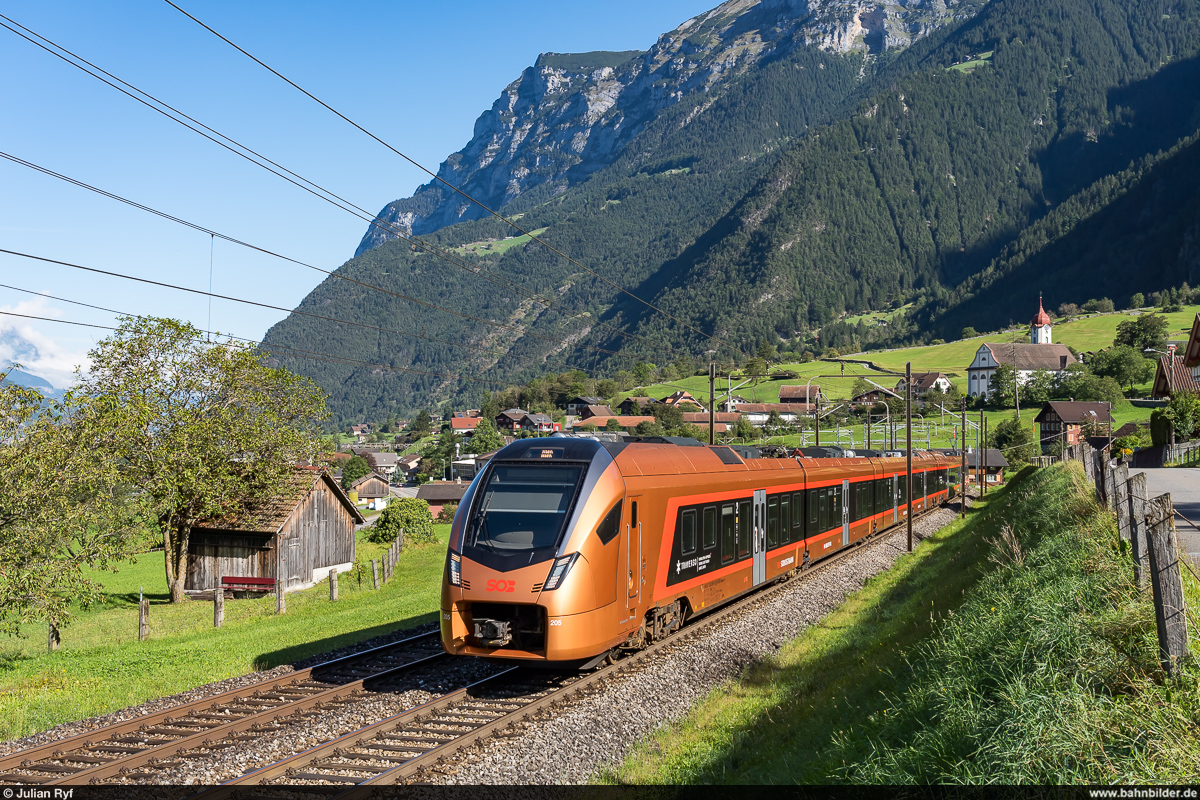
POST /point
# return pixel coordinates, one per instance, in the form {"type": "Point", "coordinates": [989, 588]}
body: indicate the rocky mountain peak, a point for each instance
{"type": "Point", "coordinates": [569, 115]}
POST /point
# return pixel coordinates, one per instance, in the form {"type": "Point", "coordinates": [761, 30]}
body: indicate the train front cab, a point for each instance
{"type": "Point", "coordinates": [536, 570]}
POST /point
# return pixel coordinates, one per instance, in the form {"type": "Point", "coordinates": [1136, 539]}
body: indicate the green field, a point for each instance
{"type": "Point", "coordinates": [498, 247]}
{"type": "Point", "coordinates": [101, 666]}
{"type": "Point", "coordinates": [1009, 648]}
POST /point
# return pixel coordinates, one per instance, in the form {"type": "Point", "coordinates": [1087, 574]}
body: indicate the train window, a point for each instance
{"type": "Point", "coordinates": [785, 519]}
{"type": "Point", "coordinates": [633, 514]}
{"type": "Point", "coordinates": [772, 521]}
{"type": "Point", "coordinates": [745, 529]}
{"type": "Point", "coordinates": [610, 526]}
{"type": "Point", "coordinates": [687, 532]}
{"type": "Point", "coordinates": [728, 532]}
{"type": "Point", "coordinates": [823, 516]}
{"type": "Point", "coordinates": [883, 488]}
{"type": "Point", "coordinates": [903, 490]}
{"type": "Point", "coordinates": [710, 527]}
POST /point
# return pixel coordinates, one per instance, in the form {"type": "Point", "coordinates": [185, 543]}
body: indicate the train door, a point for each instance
{"type": "Point", "coordinates": [631, 564]}
{"type": "Point", "coordinates": [760, 536]}
{"type": "Point", "coordinates": [845, 513]}
{"type": "Point", "coordinates": [895, 499]}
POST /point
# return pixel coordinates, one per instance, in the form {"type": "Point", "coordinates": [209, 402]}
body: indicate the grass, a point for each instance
{"type": "Point", "coordinates": [498, 247]}
{"type": "Point", "coordinates": [101, 666]}
{"type": "Point", "coordinates": [1009, 648]}
{"type": "Point", "coordinates": [982, 60]}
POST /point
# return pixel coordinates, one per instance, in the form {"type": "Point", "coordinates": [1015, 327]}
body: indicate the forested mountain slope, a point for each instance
{"type": "Point", "coordinates": [812, 183]}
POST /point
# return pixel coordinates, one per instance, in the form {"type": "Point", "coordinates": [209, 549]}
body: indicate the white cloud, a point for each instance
{"type": "Point", "coordinates": [47, 357]}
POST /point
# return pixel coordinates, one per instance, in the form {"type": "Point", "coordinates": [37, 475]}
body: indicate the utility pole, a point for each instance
{"type": "Point", "coordinates": [984, 452]}
{"type": "Point", "coordinates": [868, 430]}
{"type": "Point", "coordinates": [817, 418]}
{"type": "Point", "coordinates": [908, 450]}
{"type": "Point", "coordinates": [712, 405]}
{"type": "Point", "coordinates": [962, 473]}
{"type": "Point", "coordinates": [979, 454]}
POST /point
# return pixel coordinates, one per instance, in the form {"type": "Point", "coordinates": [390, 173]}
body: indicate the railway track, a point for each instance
{"type": "Point", "coordinates": [222, 721]}
{"type": "Point", "coordinates": [396, 750]}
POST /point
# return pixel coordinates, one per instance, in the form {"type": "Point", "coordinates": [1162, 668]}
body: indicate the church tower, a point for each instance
{"type": "Point", "coordinates": [1040, 334]}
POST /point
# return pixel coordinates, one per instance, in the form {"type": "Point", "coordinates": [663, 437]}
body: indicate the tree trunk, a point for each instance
{"type": "Point", "coordinates": [176, 554]}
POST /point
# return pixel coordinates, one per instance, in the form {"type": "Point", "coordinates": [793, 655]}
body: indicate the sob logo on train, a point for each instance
{"type": "Point", "coordinates": [501, 586]}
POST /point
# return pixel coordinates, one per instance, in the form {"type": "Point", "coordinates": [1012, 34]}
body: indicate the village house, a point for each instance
{"type": "Point", "coordinates": [1179, 372]}
{"type": "Point", "coordinates": [384, 463]}
{"type": "Point", "coordinates": [807, 393]}
{"type": "Point", "coordinates": [870, 398]}
{"type": "Point", "coordinates": [1064, 421]}
{"type": "Point", "coordinates": [1038, 354]}
{"type": "Point", "coordinates": [634, 406]}
{"type": "Point", "coordinates": [297, 537]}
{"type": "Point", "coordinates": [576, 405]}
{"type": "Point", "coordinates": [624, 422]}
{"type": "Point", "coordinates": [371, 486]}
{"type": "Point", "coordinates": [723, 422]}
{"type": "Point", "coordinates": [360, 432]}
{"type": "Point", "coordinates": [407, 467]}
{"type": "Point", "coordinates": [682, 398]}
{"type": "Point", "coordinates": [587, 412]}
{"type": "Point", "coordinates": [924, 383]}
{"type": "Point", "coordinates": [439, 493]}
{"type": "Point", "coordinates": [464, 426]}
{"type": "Point", "coordinates": [757, 414]}
{"type": "Point", "coordinates": [993, 466]}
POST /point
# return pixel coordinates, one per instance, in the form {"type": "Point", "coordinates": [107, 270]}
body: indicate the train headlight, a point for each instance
{"type": "Point", "coordinates": [558, 572]}
{"type": "Point", "coordinates": [454, 568]}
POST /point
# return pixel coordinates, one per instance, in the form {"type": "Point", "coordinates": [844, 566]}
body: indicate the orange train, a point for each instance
{"type": "Point", "coordinates": [569, 550]}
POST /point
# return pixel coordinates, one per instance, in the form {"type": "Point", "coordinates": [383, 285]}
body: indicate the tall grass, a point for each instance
{"type": "Point", "coordinates": [1048, 672]}
{"type": "Point", "coordinates": [1013, 647]}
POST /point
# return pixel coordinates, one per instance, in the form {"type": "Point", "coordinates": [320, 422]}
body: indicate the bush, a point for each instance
{"type": "Point", "coordinates": [447, 513]}
{"type": "Point", "coordinates": [404, 513]}
{"type": "Point", "coordinates": [1101, 305]}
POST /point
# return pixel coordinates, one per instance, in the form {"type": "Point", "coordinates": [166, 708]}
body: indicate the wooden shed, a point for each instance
{"type": "Point", "coordinates": [371, 486]}
{"type": "Point", "coordinates": [307, 530]}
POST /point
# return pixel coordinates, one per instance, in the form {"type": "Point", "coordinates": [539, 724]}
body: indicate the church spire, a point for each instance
{"type": "Point", "coordinates": [1040, 331]}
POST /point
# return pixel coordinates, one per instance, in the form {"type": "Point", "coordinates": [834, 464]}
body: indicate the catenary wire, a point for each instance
{"type": "Point", "coordinates": [238, 300]}
{"type": "Point", "coordinates": [211, 295]}
{"type": "Point", "coordinates": [274, 168]}
{"type": "Point", "coordinates": [330, 273]}
{"type": "Point", "coordinates": [440, 179]}
{"type": "Point", "coordinates": [269, 349]}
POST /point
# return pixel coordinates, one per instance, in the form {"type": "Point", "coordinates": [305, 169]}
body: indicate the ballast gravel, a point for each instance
{"type": "Point", "coordinates": [90, 724]}
{"type": "Point", "coordinates": [596, 730]}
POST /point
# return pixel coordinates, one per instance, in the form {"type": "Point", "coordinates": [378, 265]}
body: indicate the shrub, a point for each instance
{"type": "Point", "coordinates": [447, 513]}
{"type": "Point", "coordinates": [407, 513]}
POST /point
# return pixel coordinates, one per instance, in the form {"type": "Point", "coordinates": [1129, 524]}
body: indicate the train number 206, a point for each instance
{"type": "Point", "coordinates": [501, 586]}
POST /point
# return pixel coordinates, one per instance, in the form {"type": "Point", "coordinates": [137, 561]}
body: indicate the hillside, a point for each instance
{"type": "Point", "coordinates": [814, 178]}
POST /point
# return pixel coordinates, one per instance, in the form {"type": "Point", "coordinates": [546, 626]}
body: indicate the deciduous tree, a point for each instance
{"type": "Point", "coordinates": [201, 428]}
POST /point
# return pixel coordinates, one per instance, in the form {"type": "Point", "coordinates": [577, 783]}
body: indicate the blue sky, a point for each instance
{"type": "Point", "coordinates": [416, 74]}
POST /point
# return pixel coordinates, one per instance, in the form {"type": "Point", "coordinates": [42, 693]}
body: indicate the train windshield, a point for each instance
{"type": "Point", "coordinates": [520, 514]}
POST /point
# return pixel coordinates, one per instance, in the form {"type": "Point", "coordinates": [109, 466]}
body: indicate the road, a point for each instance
{"type": "Point", "coordinates": [1184, 485]}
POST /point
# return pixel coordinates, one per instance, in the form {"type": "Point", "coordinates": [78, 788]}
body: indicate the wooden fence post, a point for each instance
{"type": "Point", "coordinates": [280, 581]}
{"type": "Point", "coordinates": [1121, 499]}
{"type": "Point", "coordinates": [143, 620]}
{"type": "Point", "coordinates": [1110, 499]}
{"type": "Point", "coordinates": [333, 585]}
{"type": "Point", "coordinates": [1169, 606]}
{"type": "Point", "coordinates": [375, 572]}
{"type": "Point", "coordinates": [1137, 529]}
{"type": "Point", "coordinates": [53, 640]}
{"type": "Point", "coordinates": [218, 603]}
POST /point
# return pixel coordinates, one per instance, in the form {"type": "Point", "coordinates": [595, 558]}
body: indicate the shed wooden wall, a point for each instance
{"type": "Point", "coordinates": [247, 555]}
{"type": "Point", "coordinates": [373, 487]}
{"type": "Point", "coordinates": [320, 533]}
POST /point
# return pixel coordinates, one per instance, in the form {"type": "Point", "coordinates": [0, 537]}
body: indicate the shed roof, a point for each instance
{"type": "Point", "coordinates": [1191, 354]}
{"type": "Point", "coordinates": [367, 477]}
{"type": "Point", "coordinates": [442, 491]}
{"type": "Point", "coordinates": [1075, 412]}
{"type": "Point", "coordinates": [787, 393]}
{"type": "Point", "coordinates": [994, 458]}
{"type": "Point", "coordinates": [465, 423]}
{"type": "Point", "coordinates": [1173, 375]}
{"type": "Point", "coordinates": [270, 516]}
{"type": "Point", "coordinates": [767, 408]}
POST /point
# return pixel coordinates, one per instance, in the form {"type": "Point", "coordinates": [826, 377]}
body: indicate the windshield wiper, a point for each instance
{"type": "Point", "coordinates": [481, 518]}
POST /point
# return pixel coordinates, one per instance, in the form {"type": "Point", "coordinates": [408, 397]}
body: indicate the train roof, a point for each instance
{"type": "Point", "coordinates": [659, 455]}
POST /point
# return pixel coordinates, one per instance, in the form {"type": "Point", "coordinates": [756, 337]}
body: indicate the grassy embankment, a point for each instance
{"type": "Point", "coordinates": [974, 660]}
{"type": "Point", "coordinates": [102, 667]}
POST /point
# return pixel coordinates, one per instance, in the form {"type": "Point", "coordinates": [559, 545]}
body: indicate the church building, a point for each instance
{"type": "Point", "coordinates": [1039, 353]}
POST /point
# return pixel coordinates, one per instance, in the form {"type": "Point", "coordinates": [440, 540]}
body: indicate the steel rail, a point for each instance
{"type": "Point", "coordinates": [428, 750]}
{"type": "Point", "coordinates": [302, 680]}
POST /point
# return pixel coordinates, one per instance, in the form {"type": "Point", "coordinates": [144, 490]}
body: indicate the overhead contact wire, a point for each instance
{"type": "Point", "coordinates": [235, 147]}
{"type": "Point", "coordinates": [438, 178]}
